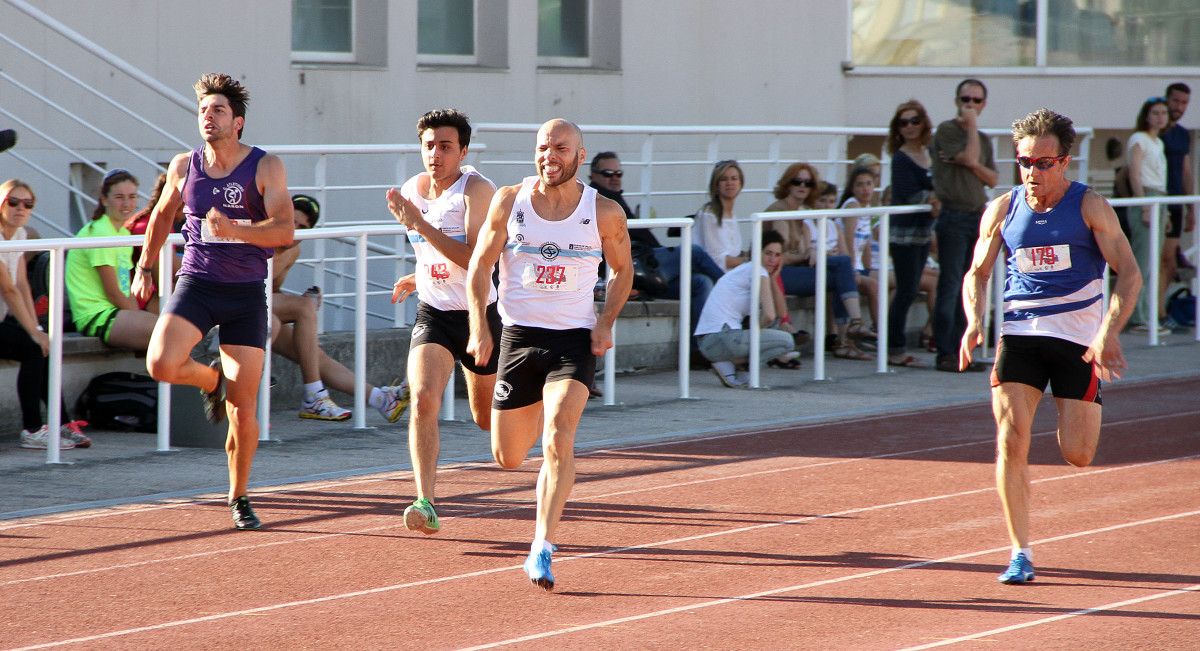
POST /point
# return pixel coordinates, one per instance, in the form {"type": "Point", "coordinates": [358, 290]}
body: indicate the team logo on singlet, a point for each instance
{"type": "Point", "coordinates": [502, 390]}
{"type": "Point", "coordinates": [233, 194]}
{"type": "Point", "coordinates": [520, 218]}
{"type": "Point", "coordinates": [549, 250]}
{"type": "Point", "coordinates": [519, 237]}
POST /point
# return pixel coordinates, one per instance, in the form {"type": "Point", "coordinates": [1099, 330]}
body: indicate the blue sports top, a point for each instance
{"type": "Point", "coordinates": [1055, 268]}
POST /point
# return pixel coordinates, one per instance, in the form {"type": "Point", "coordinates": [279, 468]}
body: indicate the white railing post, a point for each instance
{"type": "Point", "coordinates": [54, 389]}
{"type": "Point", "coordinates": [1151, 287]}
{"type": "Point", "coordinates": [166, 259]}
{"type": "Point", "coordinates": [448, 395]}
{"type": "Point", "coordinates": [756, 281]}
{"type": "Point", "coordinates": [685, 310]}
{"type": "Point", "coordinates": [610, 356]}
{"type": "Point", "coordinates": [264, 382]}
{"type": "Point", "coordinates": [881, 297]}
{"type": "Point", "coordinates": [319, 180]}
{"type": "Point", "coordinates": [995, 299]}
{"type": "Point", "coordinates": [819, 299]}
{"type": "Point", "coordinates": [647, 183]}
{"type": "Point", "coordinates": [360, 333]}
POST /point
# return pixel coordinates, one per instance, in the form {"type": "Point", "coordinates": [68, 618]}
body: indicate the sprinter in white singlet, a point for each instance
{"type": "Point", "coordinates": [443, 209]}
{"type": "Point", "coordinates": [549, 234]}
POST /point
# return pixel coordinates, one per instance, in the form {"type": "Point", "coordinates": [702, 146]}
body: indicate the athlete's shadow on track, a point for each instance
{"type": "Point", "coordinates": [998, 606]}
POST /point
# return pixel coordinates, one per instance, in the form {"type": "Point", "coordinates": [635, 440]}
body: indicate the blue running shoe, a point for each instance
{"type": "Point", "coordinates": [1020, 570]}
{"type": "Point", "coordinates": [537, 566]}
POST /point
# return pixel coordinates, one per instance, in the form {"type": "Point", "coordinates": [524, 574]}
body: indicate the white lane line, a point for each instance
{"type": "Point", "coordinates": [178, 501]}
{"type": "Point", "coordinates": [842, 579]}
{"type": "Point", "coordinates": [694, 482]}
{"type": "Point", "coordinates": [618, 550]}
{"type": "Point", "coordinates": [1056, 618]}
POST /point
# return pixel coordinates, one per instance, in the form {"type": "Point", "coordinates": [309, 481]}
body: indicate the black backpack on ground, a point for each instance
{"type": "Point", "coordinates": [121, 401]}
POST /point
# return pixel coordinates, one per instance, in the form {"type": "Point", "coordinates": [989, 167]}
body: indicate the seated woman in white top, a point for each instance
{"type": "Point", "coordinates": [719, 332]}
{"type": "Point", "coordinates": [716, 229]}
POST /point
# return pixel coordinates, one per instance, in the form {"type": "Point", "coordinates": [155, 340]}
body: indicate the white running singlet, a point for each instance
{"type": "Point", "coordinates": [548, 270]}
{"type": "Point", "coordinates": [441, 283]}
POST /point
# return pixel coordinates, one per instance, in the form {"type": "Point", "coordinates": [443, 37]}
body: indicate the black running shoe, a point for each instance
{"type": "Point", "coordinates": [243, 515]}
{"type": "Point", "coordinates": [214, 401]}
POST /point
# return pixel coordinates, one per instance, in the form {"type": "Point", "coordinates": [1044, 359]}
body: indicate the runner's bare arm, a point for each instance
{"type": "Point", "coordinates": [614, 238]}
{"type": "Point", "coordinates": [1105, 349]}
{"type": "Point", "coordinates": [492, 236]}
{"type": "Point", "coordinates": [975, 280]}
{"type": "Point", "coordinates": [279, 228]}
{"type": "Point", "coordinates": [159, 226]}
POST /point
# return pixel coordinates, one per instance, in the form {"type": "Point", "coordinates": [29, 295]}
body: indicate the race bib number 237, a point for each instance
{"type": "Point", "coordinates": [549, 277]}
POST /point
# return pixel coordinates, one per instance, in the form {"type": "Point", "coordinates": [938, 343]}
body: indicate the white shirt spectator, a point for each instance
{"type": "Point", "coordinates": [718, 241]}
{"type": "Point", "coordinates": [729, 301]}
{"type": "Point", "coordinates": [1154, 160]}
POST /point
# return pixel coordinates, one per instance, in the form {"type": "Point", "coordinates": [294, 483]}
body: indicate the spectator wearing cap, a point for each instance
{"type": "Point", "coordinates": [294, 330]}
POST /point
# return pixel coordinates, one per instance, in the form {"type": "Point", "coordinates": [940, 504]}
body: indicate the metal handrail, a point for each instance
{"type": "Point", "coordinates": [822, 217]}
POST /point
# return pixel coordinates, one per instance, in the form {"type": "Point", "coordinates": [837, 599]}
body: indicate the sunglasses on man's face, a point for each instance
{"type": "Point", "coordinates": [608, 174]}
{"type": "Point", "coordinates": [802, 183]}
{"type": "Point", "coordinates": [910, 122]}
{"type": "Point", "coordinates": [13, 202]}
{"type": "Point", "coordinates": [967, 99]}
{"type": "Point", "coordinates": [1044, 163]}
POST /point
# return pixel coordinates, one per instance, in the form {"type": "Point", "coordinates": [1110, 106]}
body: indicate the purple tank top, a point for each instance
{"type": "Point", "coordinates": [235, 195]}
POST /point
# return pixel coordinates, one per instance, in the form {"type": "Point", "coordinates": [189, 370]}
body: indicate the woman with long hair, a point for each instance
{"type": "Point", "coordinates": [797, 189]}
{"type": "Point", "coordinates": [1147, 160]}
{"type": "Point", "coordinates": [21, 337]}
{"type": "Point", "coordinates": [98, 280]}
{"type": "Point", "coordinates": [717, 230]}
{"type": "Point", "coordinates": [911, 234]}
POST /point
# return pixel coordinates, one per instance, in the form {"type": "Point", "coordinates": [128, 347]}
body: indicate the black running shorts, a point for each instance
{"type": "Point", "coordinates": [239, 308]}
{"type": "Point", "coordinates": [531, 357]}
{"type": "Point", "coordinates": [1038, 360]}
{"type": "Point", "coordinates": [450, 329]}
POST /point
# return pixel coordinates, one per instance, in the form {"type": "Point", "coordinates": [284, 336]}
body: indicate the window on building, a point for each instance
{"type": "Point", "coordinates": [323, 30]}
{"type": "Point", "coordinates": [446, 31]}
{"type": "Point", "coordinates": [579, 33]}
{"type": "Point", "coordinates": [449, 33]}
{"type": "Point", "coordinates": [1001, 33]}
{"type": "Point", "coordinates": [339, 32]}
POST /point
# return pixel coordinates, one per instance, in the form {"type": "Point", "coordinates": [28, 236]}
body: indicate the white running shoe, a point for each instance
{"type": "Point", "coordinates": [322, 407]}
{"type": "Point", "coordinates": [40, 439]}
{"type": "Point", "coordinates": [395, 401]}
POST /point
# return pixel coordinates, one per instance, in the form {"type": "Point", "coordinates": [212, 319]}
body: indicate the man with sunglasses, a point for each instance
{"type": "Point", "coordinates": [963, 169]}
{"type": "Point", "coordinates": [606, 177]}
{"type": "Point", "coordinates": [1059, 235]}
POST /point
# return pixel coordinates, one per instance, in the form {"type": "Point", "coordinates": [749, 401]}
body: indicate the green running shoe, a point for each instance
{"type": "Point", "coordinates": [420, 516]}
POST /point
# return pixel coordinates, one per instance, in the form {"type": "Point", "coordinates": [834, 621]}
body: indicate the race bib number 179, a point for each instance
{"type": "Point", "coordinates": [1036, 259]}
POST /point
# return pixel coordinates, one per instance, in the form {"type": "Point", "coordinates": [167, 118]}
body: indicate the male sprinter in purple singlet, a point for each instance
{"type": "Point", "coordinates": [1059, 235]}
{"type": "Point", "coordinates": [236, 202]}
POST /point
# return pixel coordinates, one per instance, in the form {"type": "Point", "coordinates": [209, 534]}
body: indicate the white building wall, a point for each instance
{"type": "Point", "coordinates": [682, 62]}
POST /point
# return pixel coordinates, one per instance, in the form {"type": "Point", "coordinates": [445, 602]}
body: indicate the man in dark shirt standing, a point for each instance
{"type": "Point", "coordinates": [606, 177]}
{"type": "Point", "coordinates": [963, 169]}
{"type": "Point", "coordinates": [1177, 144]}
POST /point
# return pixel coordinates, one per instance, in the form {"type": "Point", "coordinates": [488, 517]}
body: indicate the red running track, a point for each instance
{"type": "Point", "coordinates": [871, 533]}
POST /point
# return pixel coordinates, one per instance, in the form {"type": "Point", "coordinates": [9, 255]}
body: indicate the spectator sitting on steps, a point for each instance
{"type": "Point", "coordinates": [294, 336]}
